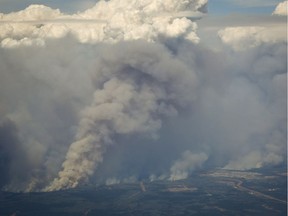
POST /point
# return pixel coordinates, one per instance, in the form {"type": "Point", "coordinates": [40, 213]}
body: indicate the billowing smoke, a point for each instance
{"type": "Point", "coordinates": [138, 88]}
{"type": "Point", "coordinates": [116, 93]}
{"type": "Point", "coordinates": [132, 84]}
{"type": "Point", "coordinates": [187, 164]}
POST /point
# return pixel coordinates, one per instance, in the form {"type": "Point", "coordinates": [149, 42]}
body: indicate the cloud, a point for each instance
{"type": "Point", "coordinates": [210, 26]}
{"type": "Point", "coordinates": [125, 21]}
{"type": "Point", "coordinates": [70, 7]}
{"type": "Point", "coordinates": [281, 9]}
{"type": "Point", "coordinates": [243, 37]}
{"type": "Point", "coordinates": [246, 37]}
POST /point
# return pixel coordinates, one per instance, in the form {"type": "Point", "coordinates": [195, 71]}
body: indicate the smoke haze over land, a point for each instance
{"type": "Point", "coordinates": [128, 90]}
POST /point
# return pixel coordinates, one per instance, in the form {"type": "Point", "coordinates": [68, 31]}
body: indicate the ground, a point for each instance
{"type": "Point", "coordinates": [215, 192]}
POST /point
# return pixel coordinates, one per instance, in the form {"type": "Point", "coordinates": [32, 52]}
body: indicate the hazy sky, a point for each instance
{"type": "Point", "coordinates": [242, 6]}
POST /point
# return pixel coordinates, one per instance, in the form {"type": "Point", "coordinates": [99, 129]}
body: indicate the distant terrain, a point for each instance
{"type": "Point", "coordinates": [215, 192]}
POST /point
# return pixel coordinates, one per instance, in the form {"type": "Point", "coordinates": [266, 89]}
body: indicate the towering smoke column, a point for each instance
{"type": "Point", "coordinates": [139, 88]}
{"type": "Point", "coordinates": [139, 83]}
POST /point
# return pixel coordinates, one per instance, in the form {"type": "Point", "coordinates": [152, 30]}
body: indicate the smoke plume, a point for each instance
{"type": "Point", "coordinates": [188, 163]}
{"type": "Point", "coordinates": [117, 92]}
{"type": "Point", "coordinates": [138, 88]}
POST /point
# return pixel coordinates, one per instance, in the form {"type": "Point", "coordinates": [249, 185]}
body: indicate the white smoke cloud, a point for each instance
{"type": "Point", "coordinates": [188, 163]}
{"type": "Point", "coordinates": [281, 9]}
{"type": "Point", "coordinates": [112, 181]}
{"type": "Point", "coordinates": [154, 177]}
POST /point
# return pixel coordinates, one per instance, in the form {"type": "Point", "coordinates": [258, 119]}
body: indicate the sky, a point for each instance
{"type": "Point", "coordinates": [242, 7]}
{"type": "Point", "coordinates": [121, 90]}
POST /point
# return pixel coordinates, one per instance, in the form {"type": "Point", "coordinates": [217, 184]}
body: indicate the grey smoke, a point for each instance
{"type": "Point", "coordinates": [187, 164]}
{"type": "Point", "coordinates": [137, 89]}
{"type": "Point", "coordinates": [236, 109]}
{"type": "Point", "coordinates": [131, 109]}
